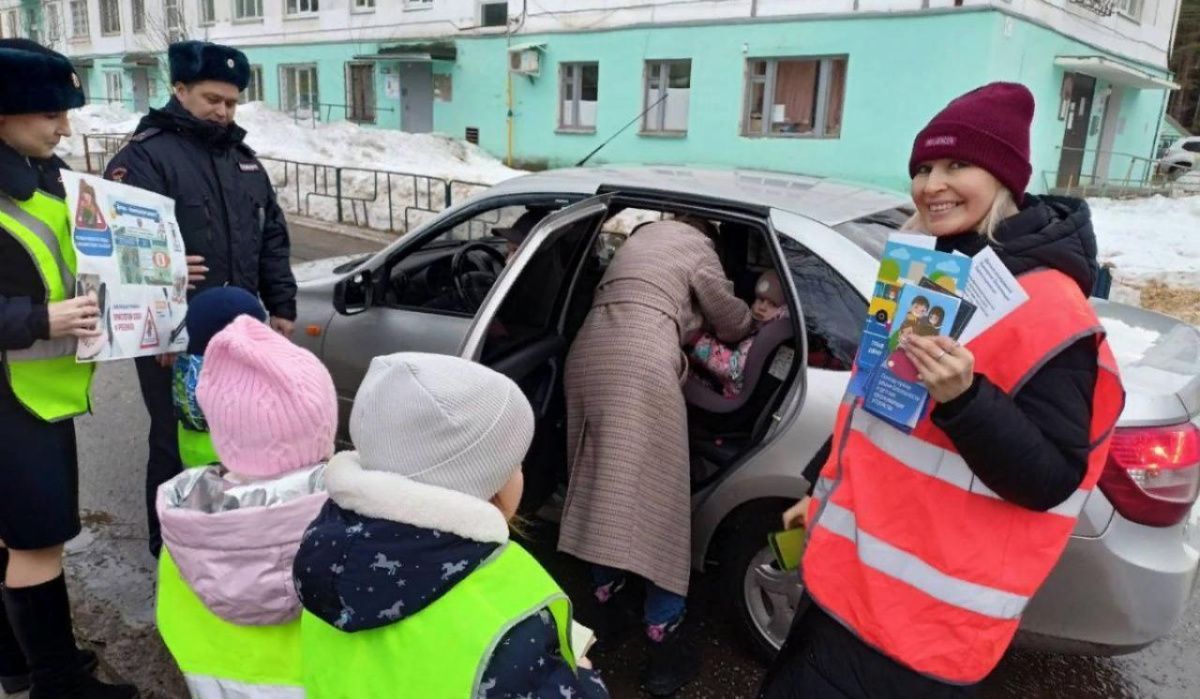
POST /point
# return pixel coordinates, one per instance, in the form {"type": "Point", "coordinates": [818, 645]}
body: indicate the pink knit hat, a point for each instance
{"type": "Point", "coordinates": [270, 405]}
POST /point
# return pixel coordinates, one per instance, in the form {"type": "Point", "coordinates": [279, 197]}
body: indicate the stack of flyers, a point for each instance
{"type": "Point", "coordinates": [903, 265]}
{"type": "Point", "coordinates": [894, 392]}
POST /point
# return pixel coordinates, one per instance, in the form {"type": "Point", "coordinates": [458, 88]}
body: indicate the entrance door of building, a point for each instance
{"type": "Point", "coordinates": [416, 97]}
{"type": "Point", "coordinates": [141, 89]}
{"type": "Point", "coordinates": [1108, 132]}
{"type": "Point", "coordinates": [1079, 89]}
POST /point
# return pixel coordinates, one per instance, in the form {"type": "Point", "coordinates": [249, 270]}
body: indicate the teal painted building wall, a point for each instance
{"type": "Point", "coordinates": [900, 71]}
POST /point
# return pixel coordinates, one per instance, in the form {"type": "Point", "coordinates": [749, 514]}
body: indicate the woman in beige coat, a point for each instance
{"type": "Point", "coordinates": [628, 505]}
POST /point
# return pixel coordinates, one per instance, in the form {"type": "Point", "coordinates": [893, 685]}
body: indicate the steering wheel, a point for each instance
{"type": "Point", "coordinates": [473, 279]}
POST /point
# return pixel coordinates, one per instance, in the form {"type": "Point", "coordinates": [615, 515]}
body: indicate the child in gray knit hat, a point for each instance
{"type": "Point", "coordinates": [410, 567]}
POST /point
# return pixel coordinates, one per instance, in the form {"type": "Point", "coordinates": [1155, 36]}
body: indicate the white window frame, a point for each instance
{"type": "Point", "coordinates": [80, 24]}
{"type": "Point", "coordinates": [111, 27]}
{"type": "Point", "coordinates": [207, 12]}
{"type": "Point", "coordinates": [114, 78]}
{"type": "Point", "coordinates": [1130, 9]}
{"type": "Point", "coordinates": [33, 28]}
{"type": "Point", "coordinates": [414, 4]}
{"type": "Point", "coordinates": [570, 88]}
{"type": "Point", "coordinates": [137, 11]}
{"type": "Point", "coordinates": [301, 8]}
{"type": "Point", "coordinates": [247, 10]}
{"type": "Point", "coordinates": [52, 18]}
{"type": "Point", "coordinates": [173, 19]}
{"type": "Point", "coordinates": [768, 81]}
{"type": "Point", "coordinates": [254, 88]}
{"type": "Point", "coordinates": [286, 87]}
{"type": "Point", "coordinates": [655, 119]}
{"type": "Point", "coordinates": [14, 24]}
{"type": "Point", "coordinates": [364, 6]}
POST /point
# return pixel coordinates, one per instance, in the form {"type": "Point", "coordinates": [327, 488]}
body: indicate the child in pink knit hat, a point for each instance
{"type": "Point", "coordinates": [231, 531]}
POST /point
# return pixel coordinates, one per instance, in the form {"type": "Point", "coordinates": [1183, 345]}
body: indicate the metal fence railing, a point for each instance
{"type": "Point", "coordinates": [377, 199]}
{"type": "Point", "coordinates": [1126, 174]}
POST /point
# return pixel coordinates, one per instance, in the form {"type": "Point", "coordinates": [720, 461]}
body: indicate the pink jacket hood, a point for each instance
{"type": "Point", "coordinates": [234, 542]}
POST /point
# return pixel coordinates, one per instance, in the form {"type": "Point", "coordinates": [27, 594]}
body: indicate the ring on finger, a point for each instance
{"type": "Point", "coordinates": [939, 356]}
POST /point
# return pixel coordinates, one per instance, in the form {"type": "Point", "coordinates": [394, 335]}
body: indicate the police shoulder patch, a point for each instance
{"type": "Point", "coordinates": [146, 135]}
{"type": "Point", "coordinates": [118, 174]}
{"type": "Point", "coordinates": [251, 166]}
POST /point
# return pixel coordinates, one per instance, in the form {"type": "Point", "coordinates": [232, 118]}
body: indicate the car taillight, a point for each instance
{"type": "Point", "coordinates": [1153, 473]}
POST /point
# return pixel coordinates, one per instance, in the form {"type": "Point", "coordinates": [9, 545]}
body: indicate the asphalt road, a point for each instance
{"type": "Point", "coordinates": [112, 579]}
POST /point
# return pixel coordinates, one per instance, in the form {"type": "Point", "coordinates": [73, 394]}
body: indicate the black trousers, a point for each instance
{"type": "Point", "coordinates": [163, 440]}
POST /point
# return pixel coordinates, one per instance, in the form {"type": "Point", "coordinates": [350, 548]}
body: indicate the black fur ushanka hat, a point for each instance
{"type": "Point", "coordinates": [193, 61]}
{"type": "Point", "coordinates": [35, 79]}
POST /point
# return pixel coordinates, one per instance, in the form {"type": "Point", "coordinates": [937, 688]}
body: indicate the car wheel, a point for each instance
{"type": "Point", "coordinates": [764, 597]}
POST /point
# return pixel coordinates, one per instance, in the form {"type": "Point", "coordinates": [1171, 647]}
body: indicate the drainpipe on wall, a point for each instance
{"type": "Point", "coordinates": [508, 156]}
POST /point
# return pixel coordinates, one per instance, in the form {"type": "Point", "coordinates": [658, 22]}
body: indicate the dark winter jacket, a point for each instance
{"type": "Point", "coordinates": [1045, 426]}
{"type": "Point", "coordinates": [224, 201]}
{"type": "Point", "coordinates": [24, 317]}
{"type": "Point", "coordinates": [358, 572]}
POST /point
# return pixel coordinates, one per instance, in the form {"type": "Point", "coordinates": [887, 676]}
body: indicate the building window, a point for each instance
{"type": "Point", "coordinates": [254, 88]}
{"type": "Point", "coordinates": [32, 28]}
{"type": "Point", "coordinates": [54, 24]}
{"type": "Point", "coordinates": [113, 89]}
{"type": "Point", "coordinates": [247, 9]}
{"type": "Point", "coordinates": [138, 10]}
{"type": "Point", "coordinates": [795, 97]}
{"type": "Point", "coordinates": [668, 85]}
{"type": "Point", "coordinates": [79, 19]}
{"type": "Point", "coordinates": [360, 92]}
{"type": "Point", "coordinates": [174, 17]}
{"type": "Point", "coordinates": [1130, 8]}
{"type": "Point", "coordinates": [110, 17]}
{"type": "Point", "coordinates": [208, 11]}
{"type": "Point", "coordinates": [415, 4]}
{"type": "Point", "coordinates": [493, 14]}
{"type": "Point", "coordinates": [302, 7]}
{"type": "Point", "coordinates": [578, 89]}
{"type": "Point", "coordinates": [443, 87]}
{"type": "Point", "coordinates": [12, 19]}
{"type": "Point", "coordinates": [367, 5]}
{"type": "Point", "coordinates": [298, 91]}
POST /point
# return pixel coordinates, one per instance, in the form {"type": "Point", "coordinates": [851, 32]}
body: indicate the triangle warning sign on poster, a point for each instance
{"type": "Point", "coordinates": [150, 334]}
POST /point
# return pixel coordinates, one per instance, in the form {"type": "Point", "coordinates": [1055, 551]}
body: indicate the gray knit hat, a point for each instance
{"type": "Point", "coordinates": [442, 421]}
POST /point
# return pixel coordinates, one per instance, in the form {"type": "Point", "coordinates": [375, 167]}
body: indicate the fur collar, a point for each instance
{"type": "Point", "coordinates": [388, 496]}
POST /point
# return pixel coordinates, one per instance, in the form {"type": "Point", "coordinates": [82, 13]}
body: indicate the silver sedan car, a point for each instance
{"type": "Point", "coordinates": [449, 287]}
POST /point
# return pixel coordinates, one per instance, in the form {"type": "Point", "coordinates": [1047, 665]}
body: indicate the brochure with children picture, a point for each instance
{"type": "Point", "coordinates": [903, 264]}
{"type": "Point", "coordinates": [130, 257]}
{"type": "Point", "coordinates": [894, 391]}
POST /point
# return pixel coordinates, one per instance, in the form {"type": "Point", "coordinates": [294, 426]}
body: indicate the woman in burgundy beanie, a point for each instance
{"type": "Point", "coordinates": [923, 549]}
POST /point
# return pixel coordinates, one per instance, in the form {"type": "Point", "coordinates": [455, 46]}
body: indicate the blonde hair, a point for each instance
{"type": "Point", "coordinates": [1002, 207]}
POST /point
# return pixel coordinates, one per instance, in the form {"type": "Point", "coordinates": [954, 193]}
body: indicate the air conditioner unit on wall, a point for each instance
{"type": "Point", "coordinates": [524, 61]}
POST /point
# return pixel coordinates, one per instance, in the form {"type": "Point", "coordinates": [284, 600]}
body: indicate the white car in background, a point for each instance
{"type": "Point", "coordinates": [1180, 157]}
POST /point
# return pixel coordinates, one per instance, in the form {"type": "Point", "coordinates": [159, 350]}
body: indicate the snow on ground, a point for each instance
{"type": "Point", "coordinates": [1155, 238]}
{"type": "Point", "coordinates": [378, 201]}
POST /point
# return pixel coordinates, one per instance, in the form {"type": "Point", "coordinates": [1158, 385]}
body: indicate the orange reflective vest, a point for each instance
{"type": "Point", "coordinates": [909, 550]}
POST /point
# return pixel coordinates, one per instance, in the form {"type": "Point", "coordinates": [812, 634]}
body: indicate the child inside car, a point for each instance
{"type": "Point", "coordinates": [724, 365]}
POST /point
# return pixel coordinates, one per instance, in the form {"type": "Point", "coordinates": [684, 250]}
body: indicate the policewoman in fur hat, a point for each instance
{"type": "Point", "coordinates": [233, 230]}
{"type": "Point", "coordinates": [41, 386]}
{"type": "Point", "coordinates": [925, 548]}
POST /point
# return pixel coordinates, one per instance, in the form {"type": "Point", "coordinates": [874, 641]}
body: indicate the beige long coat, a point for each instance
{"type": "Point", "coordinates": [628, 503]}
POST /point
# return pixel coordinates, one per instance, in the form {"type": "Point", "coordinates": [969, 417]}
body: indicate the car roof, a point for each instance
{"type": "Point", "coordinates": [822, 199]}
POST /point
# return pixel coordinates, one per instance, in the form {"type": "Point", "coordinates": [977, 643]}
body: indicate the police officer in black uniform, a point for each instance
{"type": "Point", "coordinates": [235, 234]}
{"type": "Point", "coordinates": [41, 386]}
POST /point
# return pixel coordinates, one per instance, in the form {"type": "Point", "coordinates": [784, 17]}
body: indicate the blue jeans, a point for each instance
{"type": "Point", "coordinates": [661, 607]}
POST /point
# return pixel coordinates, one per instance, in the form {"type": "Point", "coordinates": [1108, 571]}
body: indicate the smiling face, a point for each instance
{"type": "Point", "coordinates": [953, 196]}
{"type": "Point", "coordinates": [34, 135]}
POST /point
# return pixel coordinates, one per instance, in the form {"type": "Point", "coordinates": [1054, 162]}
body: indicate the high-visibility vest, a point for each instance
{"type": "Point", "coordinates": [45, 377]}
{"type": "Point", "coordinates": [912, 552]}
{"type": "Point", "coordinates": [195, 447]}
{"type": "Point", "coordinates": [443, 650]}
{"type": "Point", "coordinates": [221, 660]}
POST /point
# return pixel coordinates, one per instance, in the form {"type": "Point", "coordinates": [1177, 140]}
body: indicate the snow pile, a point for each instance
{"type": "Point", "coordinates": [1128, 343]}
{"type": "Point", "coordinates": [1153, 238]}
{"type": "Point", "coordinates": [368, 199]}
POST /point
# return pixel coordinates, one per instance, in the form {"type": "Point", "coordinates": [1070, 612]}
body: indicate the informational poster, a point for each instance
{"type": "Point", "coordinates": [130, 257]}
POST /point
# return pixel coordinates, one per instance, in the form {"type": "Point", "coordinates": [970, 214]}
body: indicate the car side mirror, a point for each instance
{"type": "Point", "coordinates": [353, 294]}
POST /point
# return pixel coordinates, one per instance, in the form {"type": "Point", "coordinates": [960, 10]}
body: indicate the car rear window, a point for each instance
{"type": "Point", "coordinates": [871, 232]}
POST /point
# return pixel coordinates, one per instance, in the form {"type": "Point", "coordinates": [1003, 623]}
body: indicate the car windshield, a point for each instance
{"type": "Point", "coordinates": [871, 232]}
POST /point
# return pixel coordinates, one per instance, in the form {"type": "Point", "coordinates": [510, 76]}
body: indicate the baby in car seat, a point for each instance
{"type": "Point", "coordinates": [722, 365]}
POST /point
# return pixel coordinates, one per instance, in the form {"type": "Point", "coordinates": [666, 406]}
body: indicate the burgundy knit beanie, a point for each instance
{"type": "Point", "coordinates": [987, 127]}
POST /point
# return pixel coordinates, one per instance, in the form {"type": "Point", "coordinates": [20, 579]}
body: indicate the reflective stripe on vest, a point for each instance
{"type": "Point", "coordinates": [909, 550]}
{"type": "Point", "coordinates": [195, 447]}
{"type": "Point", "coordinates": [213, 652]}
{"type": "Point", "coordinates": [443, 650]}
{"type": "Point", "coordinates": [45, 377]}
{"type": "Point", "coordinates": [201, 687]}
